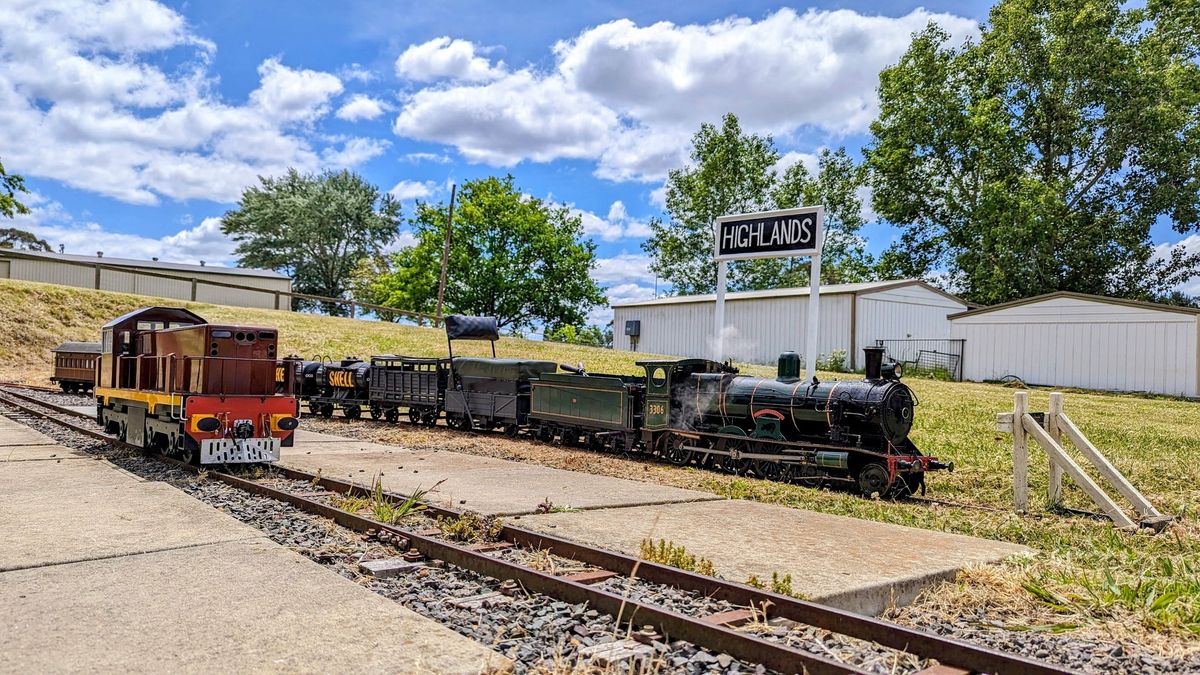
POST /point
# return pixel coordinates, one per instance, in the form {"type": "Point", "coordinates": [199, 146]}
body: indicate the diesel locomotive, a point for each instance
{"type": "Point", "coordinates": [686, 411]}
{"type": "Point", "coordinates": [170, 381]}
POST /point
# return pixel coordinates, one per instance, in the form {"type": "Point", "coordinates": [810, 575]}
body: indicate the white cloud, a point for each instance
{"type": "Point", "coordinates": [625, 267]}
{"type": "Point", "coordinates": [50, 221]}
{"type": "Point", "coordinates": [360, 107]}
{"type": "Point", "coordinates": [411, 189]}
{"type": "Point", "coordinates": [600, 316]}
{"type": "Point", "coordinates": [443, 58]}
{"type": "Point", "coordinates": [658, 197]}
{"type": "Point", "coordinates": [415, 157]}
{"type": "Point", "coordinates": [85, 100]}
{"type": "Point", "coordinates": [618, 224]}
{"type": "Point", "coordinates": [356, 72]}
{"type": "Point", "coordinates": [792, 158]}
{"type": "Point", "coordinates": [629, 97]}
{"type": "Point", "coordinates": [354, 152]}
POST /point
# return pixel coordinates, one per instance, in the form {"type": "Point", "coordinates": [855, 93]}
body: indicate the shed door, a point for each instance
{"type": "Point", "coordinates": [5, 272]}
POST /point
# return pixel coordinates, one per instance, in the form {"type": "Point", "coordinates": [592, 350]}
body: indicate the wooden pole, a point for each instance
{"type": "Point", "coordinates": [445, 256]}
{"type": "Point", "coordinates": [1054, 488]}
{"type": "Point", "coordinates": [1020, 453]}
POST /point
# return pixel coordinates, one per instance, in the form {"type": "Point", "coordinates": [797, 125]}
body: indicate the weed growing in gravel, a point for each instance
{"type": "Point", "coordinates": [667, 553]}
{"type": "Point", "coordinates": [779, 584]}
{"type": "Point", "coordinates": [471, 527]}
{"type": "Point", "coordinates": [381, 506]}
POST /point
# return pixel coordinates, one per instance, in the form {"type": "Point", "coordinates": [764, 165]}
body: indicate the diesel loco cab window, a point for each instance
{"type": "Point", "coordinates": [222, 333]}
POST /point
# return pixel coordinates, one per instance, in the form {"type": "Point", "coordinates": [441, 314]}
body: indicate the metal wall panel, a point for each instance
{"type": "Point", "coordinates": [908, 312]}
{"type": "Point", "coordinates": [1071, 342]}
{"type": "Point", "coordinates": [757, 329]}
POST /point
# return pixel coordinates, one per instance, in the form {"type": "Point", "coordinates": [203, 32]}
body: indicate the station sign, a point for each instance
{"type": "Point", "coordinates": [769, 234]}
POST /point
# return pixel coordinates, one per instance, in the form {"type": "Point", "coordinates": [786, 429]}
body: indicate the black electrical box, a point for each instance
{"type": "Point", "coordinates": [633, 327]}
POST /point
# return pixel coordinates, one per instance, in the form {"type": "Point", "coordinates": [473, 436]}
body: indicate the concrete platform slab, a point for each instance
{"type": "Point", "coordinates": [484, 484]}
{"type": "Point", "coordinates": [231, 607]}
{"type": "Point", "coordinates": [24, 436]}
{"type": "Point", "coordinates": [60, 512]}
{"type": "Point", "coordinates": [37, 451]}
{"type": "Point", "coordinates": [857, 565]}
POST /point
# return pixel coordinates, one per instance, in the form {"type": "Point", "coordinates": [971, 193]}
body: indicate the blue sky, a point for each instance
{"type": "Point", "coordinates": [138, 123]}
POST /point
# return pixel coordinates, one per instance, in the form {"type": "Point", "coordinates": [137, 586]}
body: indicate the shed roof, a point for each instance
{"type": "Point", "coordinates": [146, 264]}
{"type": "Point", "coordinates": [1077, 296]}
{"type": "Point", "coordinates": [827, 289]}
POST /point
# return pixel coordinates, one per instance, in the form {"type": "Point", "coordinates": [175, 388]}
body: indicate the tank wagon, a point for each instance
{"type": "Point", "coordinates": [685, 411]}
{"type": "Point", "coordinates": [170, 381]}
{"type": "Point", "coordinates": [75, 366]}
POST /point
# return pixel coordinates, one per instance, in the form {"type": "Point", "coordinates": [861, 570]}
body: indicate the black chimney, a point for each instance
{"type": "Point", "coordinates": [874, 362]}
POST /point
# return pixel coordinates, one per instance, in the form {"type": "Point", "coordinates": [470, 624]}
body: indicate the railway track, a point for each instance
{"type": "Point", "coordinates": [718, 633]}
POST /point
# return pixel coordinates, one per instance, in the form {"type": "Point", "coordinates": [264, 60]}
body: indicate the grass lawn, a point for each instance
{"type": "Point", "coordinates": [1088, 575]}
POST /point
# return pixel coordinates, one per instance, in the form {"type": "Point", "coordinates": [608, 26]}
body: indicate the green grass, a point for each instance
{"type": "Point", "coordinates": [1087, 573]}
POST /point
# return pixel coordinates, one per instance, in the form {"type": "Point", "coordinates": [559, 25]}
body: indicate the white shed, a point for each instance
{"type": "Point", "coordinates": [761, 324]}
{"type": "Point", "coordinates": [1075, 340]}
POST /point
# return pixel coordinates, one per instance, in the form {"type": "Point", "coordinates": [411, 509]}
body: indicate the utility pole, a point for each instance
{"type": "Point", "coordinates": [446, 254]}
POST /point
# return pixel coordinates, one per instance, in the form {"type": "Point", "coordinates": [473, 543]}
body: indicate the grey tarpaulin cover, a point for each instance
{"type": "Point", "coordinates": [502, 369]}
{"type": "Point", "coordinates": [459, 327]}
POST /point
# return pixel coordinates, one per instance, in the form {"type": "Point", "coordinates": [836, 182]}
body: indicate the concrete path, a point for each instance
{"type": "Point", "coordinates": [858, 565]}
{"type": "Point", "coordinates": [483, 484]}
{"type": "Point", "coordinates": [103, 571]}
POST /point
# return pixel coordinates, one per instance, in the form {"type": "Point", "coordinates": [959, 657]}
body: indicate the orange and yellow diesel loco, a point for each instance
{"type": "Point", "coordinates": [170, 381]}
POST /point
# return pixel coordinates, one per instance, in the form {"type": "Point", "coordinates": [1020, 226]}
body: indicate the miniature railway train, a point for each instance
{"type": "Point", "coordinates": [165, 379]}
{"type": "Point", "coordinates": [686, 411]}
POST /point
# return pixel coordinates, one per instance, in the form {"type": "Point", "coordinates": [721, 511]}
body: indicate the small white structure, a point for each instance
{"type": "Point", "coordinates": [236, 286]}
{"type": "Point", "coordinates": [1075, 340]}
{"type": "Point", "coordinates": [761, 324]}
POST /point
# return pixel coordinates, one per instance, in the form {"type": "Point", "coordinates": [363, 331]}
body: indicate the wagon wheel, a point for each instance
{"type": "Point", "coordinates": [376, 412]}
{"type": "Point", "coordinates": [327, 410]}
{"type": "Point", "coordinates": [675, 452]}
{"type": "Point", "coordinates": [430, 417]}
{"type": "Point", "coordinates": [414, 415]}
{"type": "Point", "coordinates": [512, 430]}
{"type": "Point", "coordinates": [569, 438]}
{"type": "Point", "coordinates": [391, 415]}
{"type": "Point", "coordinates": [873, 479]}
{"type": "Point", "coordinates": [545, 434]}
{"type": "Point", "coordinates": [352, 412]}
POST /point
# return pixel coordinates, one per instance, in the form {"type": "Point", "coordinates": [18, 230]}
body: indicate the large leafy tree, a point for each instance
{"type": "Point", "coordinates": [10, 185]}
{"type": "Point", "coordinates": [735, 172]}
{"type": "Point", "coordinates": [11, 237]}
{"type": "Point", "coordinates": [315, 228]}
{"type": "Point", "coordinates": [1037, 158]}
{"type": "Point", "coordinates": [512, 256]}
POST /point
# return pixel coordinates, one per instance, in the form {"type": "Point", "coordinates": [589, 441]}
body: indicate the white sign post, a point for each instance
{"type": "Point", "coordinates": [771, 234]}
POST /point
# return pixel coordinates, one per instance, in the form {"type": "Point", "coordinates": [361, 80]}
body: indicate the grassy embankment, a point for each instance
{"type": "Point", "coordinates": [1127, 584]}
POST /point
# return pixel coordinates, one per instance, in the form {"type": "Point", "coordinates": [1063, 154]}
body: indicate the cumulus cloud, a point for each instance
{"type": "Point", "coordinates": [618, 224]}
{"type": "Point", "coordinates": [416, 157]}
{"type": "Point", "coordinates": [443, 58]}
{"type": "Point", "coordinates": [616, 295]}
{"type": "Point", "coordinates": [411, 189]}
{"type": "Point", "coordinates": [354, 152]}
{"type": "Point", "coordinates": [50, 221]}
{"type": "Point", "coordinates": [630, 96]}
{"type": "Point", "coordinates": [625, 267]}
{"type": "Point", "coordinates": [360, 107]}
{"type": "Point", "coordinates": [85, 99]}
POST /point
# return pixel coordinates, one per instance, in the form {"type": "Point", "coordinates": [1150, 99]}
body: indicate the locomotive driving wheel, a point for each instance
{"type": "Point", "coordinates": [874, 479]}
{"type": "Point", "coordinates": [352, 412]}
{"type": "Point", "coordinates": [676, 453]}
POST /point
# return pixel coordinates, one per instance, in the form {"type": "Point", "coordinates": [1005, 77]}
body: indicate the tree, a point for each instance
{"type": "Point", "coordinates": [10, 185]}
{"type": "Point", "coordinates": [11, 237]}
{"type": "Point", "coordinates": [735, 172]}
{"type": "Point", "coordinates": [315, 228]}
{"type": "Point", "coordinates": [512, 256]}
{"type": "Point", "coordinates": [577, 335]}
{"type": "Point", "coordinates": [1038, 158]}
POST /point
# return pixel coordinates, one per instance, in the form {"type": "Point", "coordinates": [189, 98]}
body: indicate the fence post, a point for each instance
{"type": "Point", "coordinates": [97, 277]}
{"type": "Point", "coordinates": [193, 289]}
{"type": "Point", "coordinates": [352, 310]}
{"type": "Point", "coordinates": [1054, 489]}
{"type": "Point", "coordinates": [276, 299]}
{"type": "Point", "coordinates": [1020, 453]}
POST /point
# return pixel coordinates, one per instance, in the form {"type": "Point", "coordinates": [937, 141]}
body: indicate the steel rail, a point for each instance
{"type": "Point", "coordinates": [750, 648]}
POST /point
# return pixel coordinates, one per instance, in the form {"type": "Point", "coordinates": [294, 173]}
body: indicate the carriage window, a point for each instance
{"type": "Point", "coordinates": [222, 333]}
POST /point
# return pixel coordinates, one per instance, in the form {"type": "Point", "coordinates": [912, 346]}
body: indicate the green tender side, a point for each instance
{"type": "Point", "coordinates": [593, 401]}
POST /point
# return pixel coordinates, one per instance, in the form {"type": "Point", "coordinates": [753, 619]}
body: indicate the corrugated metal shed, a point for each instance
{"type": "Point", "coordinates": [239, 287]}
{"type": "Point", "coordinates": [1075, 340]}
{"type": "Point", "coordinates": [761, 324]}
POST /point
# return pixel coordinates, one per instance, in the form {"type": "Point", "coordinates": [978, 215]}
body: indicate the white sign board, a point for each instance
{"type": "Point", "coordinates": [771, 234]}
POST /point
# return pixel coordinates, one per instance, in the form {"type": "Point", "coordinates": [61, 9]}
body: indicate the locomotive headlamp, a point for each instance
{"type": "Point", "coordinates": [206, 424]}
{"type": "Point", "coordinates": [892, 371]}
{"type": "Point", "coordinates": [898, 371]}
{"type": "Point", "coordinates": [285, 422]}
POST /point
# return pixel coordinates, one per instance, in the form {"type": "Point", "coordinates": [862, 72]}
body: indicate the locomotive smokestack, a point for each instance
{"type": "Point", "coordinates": [874, 356]}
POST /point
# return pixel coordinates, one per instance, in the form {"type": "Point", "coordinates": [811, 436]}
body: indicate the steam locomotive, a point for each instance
{"type": "Point", "coordinates": [686, 411]}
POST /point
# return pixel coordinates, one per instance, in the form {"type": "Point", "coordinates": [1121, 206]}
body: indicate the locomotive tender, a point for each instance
{"type": "Point", "coordinates": [684, 411]}
{"type": "Point", "coordinates": [170, 381]}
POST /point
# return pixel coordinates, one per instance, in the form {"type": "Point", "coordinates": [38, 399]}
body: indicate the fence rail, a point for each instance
{"type": "Point", "coordinates": [354, 305]}
{"type": "Point", "coordinates": [940, 358]}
